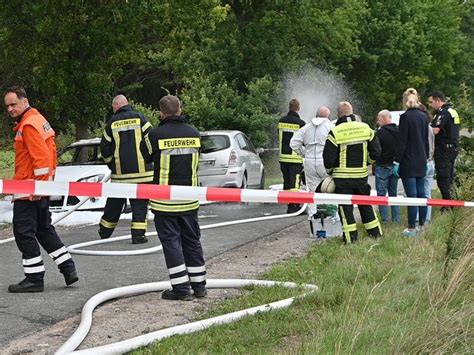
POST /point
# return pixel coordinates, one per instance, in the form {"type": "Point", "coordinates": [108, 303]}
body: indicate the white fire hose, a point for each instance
{"type": "Point", "coordinates": [124, 346]}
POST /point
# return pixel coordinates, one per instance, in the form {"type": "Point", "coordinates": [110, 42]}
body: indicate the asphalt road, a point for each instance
{"type": "Point", "coordinates": [23, 314]}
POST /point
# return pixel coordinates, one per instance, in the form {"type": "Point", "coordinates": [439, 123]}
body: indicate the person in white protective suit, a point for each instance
{"type": "Point", "coordinates": [309, 143]}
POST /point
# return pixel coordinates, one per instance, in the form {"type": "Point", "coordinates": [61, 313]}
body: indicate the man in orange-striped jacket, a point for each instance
{"type": "Point", "coordinates": [35, 159]}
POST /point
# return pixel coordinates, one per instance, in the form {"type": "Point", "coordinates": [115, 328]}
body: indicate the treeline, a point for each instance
{"type": "Point", "coordinates": [234, 63]}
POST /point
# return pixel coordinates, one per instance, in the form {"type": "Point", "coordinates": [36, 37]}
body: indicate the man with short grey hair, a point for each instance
{"type": "Point", "coordinates": [309, 143]}
{"type": "Point", "coordinates": [386, 170]}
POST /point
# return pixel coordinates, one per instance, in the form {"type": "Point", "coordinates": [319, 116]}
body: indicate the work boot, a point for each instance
{"type": "Point", "coordinates": [26, 286]}
{"type": "Point", "coordinates": [71, 277]}
{"type": "Point", "coordinates": [200, 292]}
{"type": "Point", "coordinates": [292, 208]}
{"type": "Point", "coordinates": [174, 296]}
{"type": "Point", "coordinates": [103, 235]}
{"type": "Point", "coordinates": [139, 239]}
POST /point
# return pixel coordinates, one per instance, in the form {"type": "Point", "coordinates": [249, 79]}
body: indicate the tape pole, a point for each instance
{"type": "Point", "coordinates": [217, 194]}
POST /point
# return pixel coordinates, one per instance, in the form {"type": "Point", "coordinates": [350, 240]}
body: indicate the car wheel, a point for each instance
{"type": "Point", "coordinates": [244, 184]}
{"type": "Point", "coordinates": [262, 181]}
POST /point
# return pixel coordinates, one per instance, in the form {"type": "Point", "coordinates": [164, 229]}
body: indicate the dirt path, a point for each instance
{"type": "Point", "coordinates": [126, 318]}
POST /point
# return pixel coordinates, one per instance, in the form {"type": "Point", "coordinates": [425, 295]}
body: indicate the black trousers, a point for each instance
{"type": "Point", "coordinates": [180, 237]}
{"type": "Point", "coordinates": [346, 212]}
{"type": "Point", "coordinates": [445, 158]}
{"type": "Point", "coordinates": [112, 211]}
{"type": "Point", "coordinates": [292, 174]}
{"type": "Point", "coordinates": [32, 225]}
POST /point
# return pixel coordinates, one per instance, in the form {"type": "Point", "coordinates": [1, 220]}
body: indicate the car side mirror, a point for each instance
{"type": "Point", "coordinates": [260, 151]}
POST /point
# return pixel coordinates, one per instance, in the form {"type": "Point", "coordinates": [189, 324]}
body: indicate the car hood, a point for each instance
{"type": "Point", "coordinates": [77, 172]}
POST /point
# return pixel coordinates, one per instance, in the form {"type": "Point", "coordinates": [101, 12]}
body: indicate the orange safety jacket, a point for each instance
{"type": "Point", "coordinates": [35, 149]}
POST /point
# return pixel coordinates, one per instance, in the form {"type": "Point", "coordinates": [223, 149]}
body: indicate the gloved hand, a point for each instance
{"type": "Point", "coordinates": [396, 168]}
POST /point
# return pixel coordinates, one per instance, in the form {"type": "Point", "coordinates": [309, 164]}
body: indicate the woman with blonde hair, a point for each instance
{"type": "Point", "coordinates": [412, 156]}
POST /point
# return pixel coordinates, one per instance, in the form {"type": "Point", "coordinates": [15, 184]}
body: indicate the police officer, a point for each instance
{"type": "Point", "coordinates": [174, 147]}
{"type": "Point", "coordinates": [350, 146]}
{"type": "Point", "coordinates": [446, 123]}
{"type": "Point", "coordinates": [35, 159]}
{"type": "Point", "coordinates": [120, 149]}
{"type": "Point", "coordinates": [291, 163]}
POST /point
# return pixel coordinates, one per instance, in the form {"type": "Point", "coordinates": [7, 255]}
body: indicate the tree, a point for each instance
{"type": "Point", "coordinates": [407, 43]}
{"type": "Point", "coordinates": [69, 53]}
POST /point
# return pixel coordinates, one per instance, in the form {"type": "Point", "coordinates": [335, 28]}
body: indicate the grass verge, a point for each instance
{"type": "Point", "coordinates": [7, 163]}
{"type": "Point", "coordinates": [391, 295]}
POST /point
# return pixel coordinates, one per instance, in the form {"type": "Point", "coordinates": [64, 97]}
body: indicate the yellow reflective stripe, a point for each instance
{"type": "Point", "coordinates": [108, 159]}
{"type": "Point", "coordinates": [174, 203]}
{"type": "Point", "coordinates": [140, 161]}
{"type": "Point", "coordinates": [454, 115]}
{"type": "Point", "coordinates": [343, 156]}
{"type": "Point", "coordinates": [148, 145]}
{"type": "Point", "coordinates": [133, 180]}
{"type": "Point", "coordinates": [364, 157]}
{"type": "Point", "coordinates": [280, 140]}
{"type": "Point", "coordinates": [346, 175]}
{"type": "Point", "coordinates": [146, 126]}
{"type": "Point", "coordinates": [118, 166]}
{"type": "Point", "coordinates": [107, 224]}
{"type": "Point", "coordinates": [297, 182]}
{"type": "Point", "coordinates": [181, 207]}
{"type": "Point", "coordinates": [195, 162]}
{"type": "Point", "coordinates": [378, 221]}
{"type": "Point", "coordinates": [107, 137]}
{"type": "Point", "coordinates": [139, 225]}
{"type": "Point", "coordinates": [288, 127]}
{"type": "Point", "coordinates": [183, 142]}
{"type": "Point", "coordinates": [375, 223]}
{"type": "Point", "coordinates": [125, 123]}
{"type": "Point", "coordinates": [164, 169]}
{"type": "Point", "coordinates": [287, 158]}
{"type": "Point", "coordinates": [132, 175]}
{"type": "Point", "coordinates": [332, 139]}
{"type": "Point", "coordinates": [347, 235]}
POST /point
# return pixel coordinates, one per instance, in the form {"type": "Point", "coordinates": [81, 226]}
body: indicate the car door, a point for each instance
{"type": "Point", "coordinates": [254, 161]}
{"type": "Point", "coordinates": [244, 156]}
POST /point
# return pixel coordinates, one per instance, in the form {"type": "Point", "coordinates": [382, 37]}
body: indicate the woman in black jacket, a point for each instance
{"type": "Point", "coordinates": [412, 156]}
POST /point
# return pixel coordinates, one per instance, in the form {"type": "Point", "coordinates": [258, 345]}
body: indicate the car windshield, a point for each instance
{"type": "Point", "coordinates": [81, 155]}
{"type": "Point", "coordinates": [214, 143]}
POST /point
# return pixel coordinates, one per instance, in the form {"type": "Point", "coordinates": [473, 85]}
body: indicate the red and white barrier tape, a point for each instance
{"type": "Point", "coordinates": [174, 192]}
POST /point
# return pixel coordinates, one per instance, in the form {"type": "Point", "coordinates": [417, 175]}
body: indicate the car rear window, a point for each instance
{"type": "Point", "coordinates": [214, 143]}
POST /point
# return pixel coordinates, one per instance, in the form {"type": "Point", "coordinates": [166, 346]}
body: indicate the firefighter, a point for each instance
{"type": "Point", "coordinates": [120, 149]}
{"type": "Point", "coordinates": [350, 146]}
{"type": "Point", "coordinates": [174, 147]}
{"type": "Point", "coordinates": [291, 164]}
{"type": "Point", "coordinates": [446, 124]}
{"type": "Point", "coordinates": [35, 159]}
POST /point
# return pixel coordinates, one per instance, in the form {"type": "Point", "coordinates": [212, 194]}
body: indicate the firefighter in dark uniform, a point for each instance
{"type": "Point", "coordinates": [35, 159]}
{"type": "Point", "coordinates": [446, 124]}
{"type": "Point", "coordinates": [350, 146]}
{"type": "Point", "coordinates": [174, 148]}
{"type": "Point", "coordinates": [291, 164]}
{"type": "Point", "coordinates": [120, 149]}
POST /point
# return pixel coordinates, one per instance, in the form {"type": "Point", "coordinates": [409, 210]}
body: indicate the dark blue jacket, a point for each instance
{"type": "Point", "coordinates": [413, 146]}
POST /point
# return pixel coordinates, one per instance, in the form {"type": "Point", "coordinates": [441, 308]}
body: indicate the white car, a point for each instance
{"type": "Point", "coordinates": [229, 159]}
{"type": "Point", "coordinates": [80, 161]}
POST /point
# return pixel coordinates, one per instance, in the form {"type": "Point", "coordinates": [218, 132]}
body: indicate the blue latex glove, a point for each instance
{"type": "Point", "coordinates": [396, 167]}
